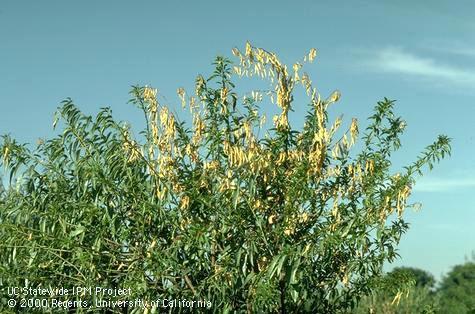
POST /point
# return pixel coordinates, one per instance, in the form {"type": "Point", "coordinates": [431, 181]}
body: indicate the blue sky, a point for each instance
{"type": "Point", "coordinates": [422, 56]}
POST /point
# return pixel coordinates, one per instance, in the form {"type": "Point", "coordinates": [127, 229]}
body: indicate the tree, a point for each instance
{"type": "Point", "coordinates": [403, 290]}
{"type": "Point", "coordinates": [457, 290]}
{"type": "Point", "coordinates": [421, 277]}
{"type": "Point", "coordinates": [249, 217]}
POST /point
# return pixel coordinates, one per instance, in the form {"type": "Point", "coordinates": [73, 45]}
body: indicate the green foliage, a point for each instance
{"type": "Point", "coordinates": [457, 290]}
{"type": "Point", "coordinates": [403, 290]}
{"type": "Point", "coordinates": [251, 219]}
{"type": "Point", "coordinates": [421, 277]}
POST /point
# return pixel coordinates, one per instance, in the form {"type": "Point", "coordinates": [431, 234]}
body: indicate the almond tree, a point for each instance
{"type": "Point", "coordinates": [253, 218]}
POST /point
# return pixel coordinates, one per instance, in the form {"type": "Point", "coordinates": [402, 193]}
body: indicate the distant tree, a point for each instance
{"type": "Point", "coordinates": [252, 218]}
{"type": "Point", "coordinates": [421, 277]}
{"type": "Point", "coordinates": [457, 290]}
{"type": "Point", "coordinates": [404, 290]}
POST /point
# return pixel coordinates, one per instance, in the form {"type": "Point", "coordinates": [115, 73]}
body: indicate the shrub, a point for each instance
{"type": "Point", "coordinates": [225, 209]}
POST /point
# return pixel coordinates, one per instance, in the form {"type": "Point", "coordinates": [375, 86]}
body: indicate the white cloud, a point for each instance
{"type": "Point", "coordinates": [439, 184]}
{"type": "Point", "coordinates": [464, 51]}
{"type": "Point", "coordinates": [451, 47]}
{"type": "Point", "coordinates": [396, 60]}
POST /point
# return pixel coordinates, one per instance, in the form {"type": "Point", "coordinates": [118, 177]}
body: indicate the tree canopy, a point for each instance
{"type": "Point", "coordinates": [457, 289]}
{"type": "Point", "coordinates": [421, 277]}
{"type": "Point", "coordinates": [250, 217]}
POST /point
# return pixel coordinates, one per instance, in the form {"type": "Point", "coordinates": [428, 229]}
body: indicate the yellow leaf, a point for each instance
{"type": "Point", "coordinates": [312, 54]}
{"type": "Point", "coordinates": [334, 97]}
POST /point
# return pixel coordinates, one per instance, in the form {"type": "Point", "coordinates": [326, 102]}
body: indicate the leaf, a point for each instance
{"type": "Point", "coordinates": [294, 294]}
{"type": "Point", "coordinates": [293, 272]}
{"type": "Point", "coordinates": [348, 229]}
{"type": "Point", "coordinates": [55, 119]}
{"type": "Point", "coordinates": [236, 197]}
{"type": "Point", "coordinates": [32, 258]}
{"type": "Point", "coordinates": [334, 97]}
{"type": "Point", "coordinates": [80, 229]}
{"type": "Point", "coordinates": [276, 265]}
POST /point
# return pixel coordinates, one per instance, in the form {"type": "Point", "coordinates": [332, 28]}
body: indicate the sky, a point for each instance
{"type": "Point", "coordinates": [421, 55]}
